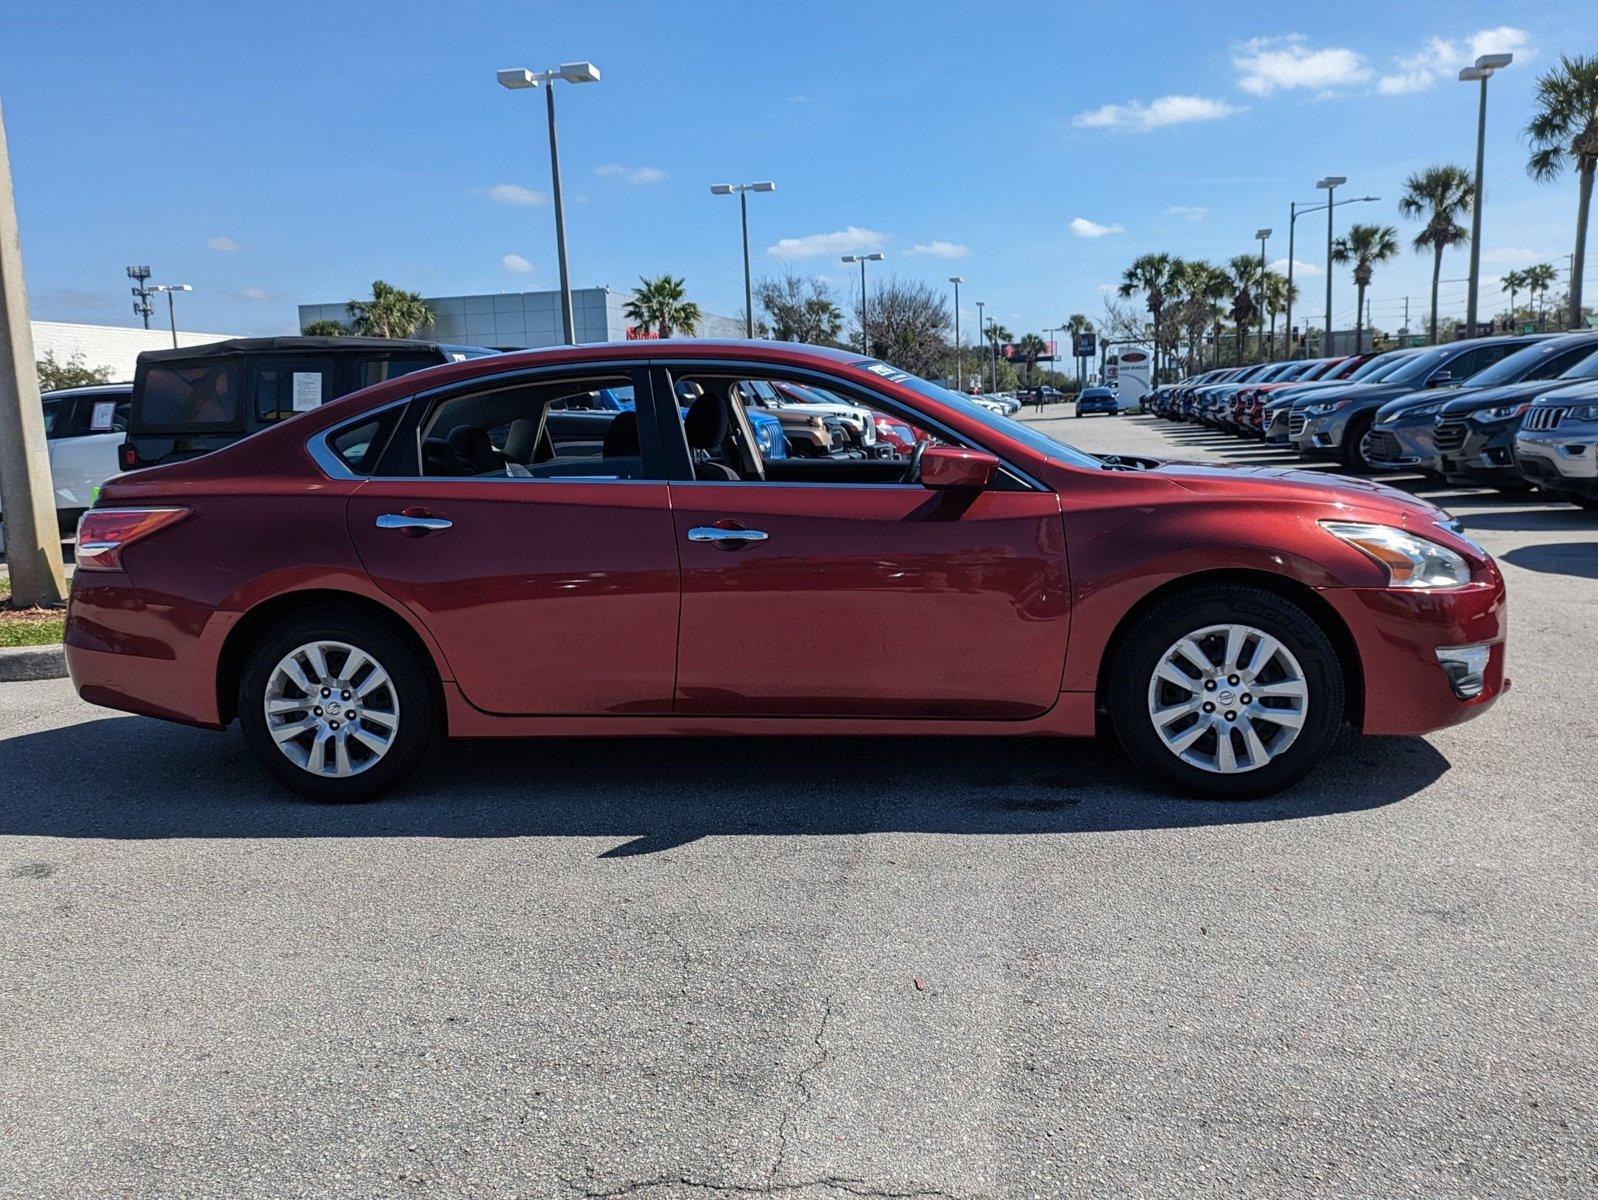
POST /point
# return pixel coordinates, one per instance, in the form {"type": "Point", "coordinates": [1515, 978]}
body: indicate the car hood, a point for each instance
{"type": "Point", "coordinates": [1365, 393]}
{"type": "Point", "coordinates": [1507, 393]}
{"type": "Point", "coordinates": [1367, 497]}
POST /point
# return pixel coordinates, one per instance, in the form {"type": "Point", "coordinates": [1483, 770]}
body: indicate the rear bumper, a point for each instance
{"type": "Point", "coordinates": [1399, 633]}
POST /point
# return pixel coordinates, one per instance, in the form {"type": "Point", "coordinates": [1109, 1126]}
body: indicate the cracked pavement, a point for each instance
{"type": "Point", "coordinates": [817, 969]}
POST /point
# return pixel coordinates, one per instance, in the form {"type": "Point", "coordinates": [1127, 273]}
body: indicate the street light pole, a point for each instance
{"type": "Point", "coordinates": [516, 78]}
{"type": "Point", "coordinates": [1259, 338]}
{"type": "Point", "coordinates": [1330, 183]}
{"type": "Point", "coordinates": [1295, 210]}
{"type": "Point", "coordinates": [863, 259]}
{"type": "Point", "coordinates": [742, 190]}
{"type": "Point", "coordinates": [1482, 71]}
{"type": "Point", "coordinates": [982, 331]}
{"type": "Point", "coordinates": [171, 311]}
{"type": "Point", "coordinates": [959, 351]}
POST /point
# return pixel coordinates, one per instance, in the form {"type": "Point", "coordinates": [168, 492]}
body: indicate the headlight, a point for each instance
{"type": "Point", "coordinates": [1501, 413]}
{"type": "Point", "coordinates": [1320, 410]}
{"type": "Point", "coordinates": [1585, 412]}
{"type": "Point", "coordinates": [1411, 560]}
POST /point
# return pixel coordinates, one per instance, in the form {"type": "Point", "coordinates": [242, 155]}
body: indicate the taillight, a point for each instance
{"type": "Point", "coordinates": [128, 456]}
{"type": "Point", "coordinates": [103, 533]}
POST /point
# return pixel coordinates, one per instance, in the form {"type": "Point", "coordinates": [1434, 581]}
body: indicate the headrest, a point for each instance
{"type": "Point", "coordinates": [706, 423]}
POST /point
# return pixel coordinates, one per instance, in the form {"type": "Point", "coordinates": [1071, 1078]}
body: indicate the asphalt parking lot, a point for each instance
{"type": "Point", "coordinates": [827, 968]}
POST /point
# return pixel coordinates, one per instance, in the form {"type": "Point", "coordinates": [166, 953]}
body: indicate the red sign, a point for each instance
{"type": "Point", "coordinates": [635, 334]}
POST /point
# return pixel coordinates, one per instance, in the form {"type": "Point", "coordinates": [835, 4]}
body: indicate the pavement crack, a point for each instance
{"type": "Point", "coordinates": [801, 1083]}
{"type": "Point", "coordinates": [848, 1185]}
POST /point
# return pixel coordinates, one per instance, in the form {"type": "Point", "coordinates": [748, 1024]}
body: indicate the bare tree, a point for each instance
{"type": "Point", "coordinates": [908, 324]}
{"type": "Point", "coordinates": [799, 308]}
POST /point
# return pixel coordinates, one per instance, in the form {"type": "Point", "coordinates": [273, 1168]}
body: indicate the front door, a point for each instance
{"type": "Point", "coordinates": [546, 569]}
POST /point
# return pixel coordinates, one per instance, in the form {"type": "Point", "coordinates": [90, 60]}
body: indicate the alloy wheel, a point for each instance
{"type": "Point", "coordinates": [331, 708]}
{"type": "Point", "coordinates": [1228, 698]}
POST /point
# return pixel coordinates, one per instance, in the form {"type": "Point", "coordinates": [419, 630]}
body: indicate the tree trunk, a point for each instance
{"type": "Point", "coordinates": [1359, 320]}
{"type": "Point", "coordinates": [1437, 270]}
{"type": "Point", "coordinates": [1583, 209]}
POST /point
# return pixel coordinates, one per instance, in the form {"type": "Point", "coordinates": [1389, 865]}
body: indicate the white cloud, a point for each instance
{"type": "Point", "coordinates": [1106, 289]}
{"type": "Point", "coordinates": [1085, 228]}
{"type": "Point", "coordinates": [799, 98]}
{"type": "Point", "coordinates": [850, 240]}
{"type": "Point", "coordinates": [257, 293]}
{"type": "Point", "coordinates": [1300, 267]}
{"type": "Point", "coordinates": [1440, 58]}
{"type": "Point", "coordinates": [225, 244]}
{"type": "Point", "coordinates": [1137, 117]}
{"type": "Point", "coordinates": [1193, 212]}
{"type": "Point", "coordinates": [632, 174]}
{"type": "Point", "coordinates": [516, 263]}
{"type": "Point", "coordinates": [940, 249]}
{"type": "Point", "coordinates": [1265, 65]}
{"type": "Point", "coordinates": [514, 193]}
{"type": "Point", "coordinates": [1515, 254]}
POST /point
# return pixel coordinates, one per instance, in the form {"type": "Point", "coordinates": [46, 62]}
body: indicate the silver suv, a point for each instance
{"type": "Point", "coordinates": [1557, 446]}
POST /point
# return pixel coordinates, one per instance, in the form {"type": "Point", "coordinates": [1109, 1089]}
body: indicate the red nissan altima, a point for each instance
{"type": "Point", "coordinates": [458, 553]}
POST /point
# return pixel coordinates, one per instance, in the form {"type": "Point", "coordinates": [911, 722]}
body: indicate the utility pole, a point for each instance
{"type": "Point", "coordinates": [959, 351]}
{"type": "Point", "coordinates": [33, 543]}
{"type": "Point", "coordinates": [141, 293]}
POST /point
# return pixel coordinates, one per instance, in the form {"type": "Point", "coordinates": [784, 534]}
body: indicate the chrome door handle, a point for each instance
{"type": "Point", "coordinates": [420, 524]}
{"type": "Point", "coordinates": [709, 533]}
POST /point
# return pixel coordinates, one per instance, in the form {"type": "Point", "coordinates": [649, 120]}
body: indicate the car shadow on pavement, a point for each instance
{"type": "Point", "coordinates": [1531, 520]}
{"type": "Point", "coordinates": [155, 780]}
{"type": "Point", "coordinates": [1557, 558]}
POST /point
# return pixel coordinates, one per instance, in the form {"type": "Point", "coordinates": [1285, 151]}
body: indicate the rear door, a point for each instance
{"type": "Point", "coordinates": [546, 568]}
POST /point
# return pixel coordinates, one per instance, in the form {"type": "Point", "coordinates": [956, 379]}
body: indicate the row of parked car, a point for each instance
{"type": "Point", "coordinates": [1512, 413]}
{"type": "Point", "coordinates": [187, 402]}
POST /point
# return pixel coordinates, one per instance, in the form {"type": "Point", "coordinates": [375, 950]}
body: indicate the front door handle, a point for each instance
{"type": "Point", "coordinates": [730, 538]}
{"type": "Point", "coordinates": [413, 526]}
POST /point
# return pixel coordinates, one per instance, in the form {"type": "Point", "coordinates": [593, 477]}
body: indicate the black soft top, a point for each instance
{"type": "Point", "coordinates": [279, 344]}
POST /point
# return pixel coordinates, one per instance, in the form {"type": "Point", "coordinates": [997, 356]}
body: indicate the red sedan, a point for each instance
{"type": "Point", "coordinates": [449, 554]}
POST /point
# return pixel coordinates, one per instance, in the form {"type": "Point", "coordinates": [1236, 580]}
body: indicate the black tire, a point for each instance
{"type": "Point", "coordinates": [421, 717]}
{"type": "Point", "coordinates": [1138, 654]}
{"type": "Point", "coordinates": [1352, 452]}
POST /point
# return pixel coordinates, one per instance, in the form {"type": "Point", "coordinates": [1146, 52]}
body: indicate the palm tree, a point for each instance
{"type": "Point", "coordinates": [1564, 132]}
{"type": "Point", "coordinates": [662, 304]}
{"type": "Point", "coordinates": [1279, 293]}
{"type": "Point", "coordinates": [1439, 196]}
{"type": "Point", "coordinates": [1157, 277]}
{"type": "Point", "coordinates": [323, 328]}
{"type": "Point", "coordinates": [1243, 277]}
{"type": "Point", "coordinates": [1539, 279]}
{"type": "Point", "coordinates": [1031, 347]}
{"type": "Point", "coordinates": [1513, 282]}
{"type": "Point", "coordinates": [391, 313]}
{"type": "Point", "coordinates": [1364, 246]}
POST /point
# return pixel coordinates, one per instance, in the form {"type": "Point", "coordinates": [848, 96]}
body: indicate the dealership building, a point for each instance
{"type": "Point", "coordinates": [518, 320]}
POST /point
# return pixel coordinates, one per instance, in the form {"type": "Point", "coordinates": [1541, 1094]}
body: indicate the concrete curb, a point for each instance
{"type": "Point", "coordinates": [18, 663]}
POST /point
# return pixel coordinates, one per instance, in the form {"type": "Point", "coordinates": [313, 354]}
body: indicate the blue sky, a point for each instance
{"type": "Point", "coordinates": [272, 155]}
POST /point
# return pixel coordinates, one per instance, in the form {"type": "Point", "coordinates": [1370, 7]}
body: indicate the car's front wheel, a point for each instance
{"type": "Point", "coordinates": [1226, 692]}
{"type": "Point", "coordinates": [336, 706]}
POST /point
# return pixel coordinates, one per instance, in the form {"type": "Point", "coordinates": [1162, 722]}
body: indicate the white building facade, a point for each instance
{"type": "Point", "coordinates": [112, 347]}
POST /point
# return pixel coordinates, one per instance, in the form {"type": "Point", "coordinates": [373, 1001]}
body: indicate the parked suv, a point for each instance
{"type": "Point", "coordinates": [1557, 446]}
{"type": "Point", "coordinates": [83, 426]}
{"type": "Point", "coordinates": [196, 399]}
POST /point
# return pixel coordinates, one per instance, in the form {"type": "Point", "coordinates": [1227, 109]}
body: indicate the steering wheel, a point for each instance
{"type": "Point", "coordinates": [912, 473]}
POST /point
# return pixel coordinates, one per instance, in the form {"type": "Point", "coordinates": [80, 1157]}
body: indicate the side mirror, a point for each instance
{"type": "Point", "coordinates": [1441, 379]}
{"type": "Point", "coordinates": [951, 468]}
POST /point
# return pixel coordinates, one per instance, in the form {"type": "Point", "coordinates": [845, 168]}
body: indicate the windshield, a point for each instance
{"type": "Point", "coordinates": [1028, 435]}
{"type": "Point", "coordinates": [1587, 368]}
{"type": "Point", "coordinates": [1420, 366]}
{"type": "Point", "coordinates": [1540, 360]}
{"type": "Point", "coordinates": [1379, 367]}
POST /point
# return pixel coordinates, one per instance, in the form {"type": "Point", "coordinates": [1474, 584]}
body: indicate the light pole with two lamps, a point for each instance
{"type": "Point", "coordinates": [863, 259]}
{"type": "Point", "coordinates": [1331, 184]}
{"type": "Point", "coordinates": [1482, 71]}
{"type": "Point", "coordinates": [171, 311]}
{"type": "Point", "coordinates": [742, 191]}
{"type": "Point", "coordinates": [1262, 234]}
{"type": "Point", "coordinates": [959, 350]}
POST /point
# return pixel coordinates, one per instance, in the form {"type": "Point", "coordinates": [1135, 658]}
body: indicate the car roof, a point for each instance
{"type": "Point", "coordinates": [90, 389]}
{"type": "Point", "coordinates": [255, 345]}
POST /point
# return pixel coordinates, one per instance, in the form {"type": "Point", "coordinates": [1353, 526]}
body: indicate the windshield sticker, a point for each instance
{"type": "Point", "coordinates": [307, 390]}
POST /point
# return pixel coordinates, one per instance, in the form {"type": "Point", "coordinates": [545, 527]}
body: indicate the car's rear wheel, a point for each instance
{"type": "Point", "coordinates": [337, 707]}
{"type": "Point", "coordinates": [1226, 692]}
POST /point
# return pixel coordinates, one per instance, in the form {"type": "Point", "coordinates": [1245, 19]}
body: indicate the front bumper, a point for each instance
{"type": "Point", "coordinates": [1398, 632]}
{"type": "Point", "coordinates": [1321, 436]}
{"type": "Point", "coordinates": [1566, 460]}
{"type": "Point", "coordinates": [1397, 445]}
{"type": "Point", "coordinates": [1470, 452]}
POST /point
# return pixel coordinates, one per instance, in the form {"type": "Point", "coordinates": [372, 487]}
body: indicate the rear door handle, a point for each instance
{"type": "Point", "coordinates": [414, 526]}
{"type": "Point", "coordinates": [710, 533]}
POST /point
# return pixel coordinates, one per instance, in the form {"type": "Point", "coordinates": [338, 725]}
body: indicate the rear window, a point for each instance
{"type": "Point", "coordinates": [202, 396]}
{"type": "Point", "coordinates": [284, 387]}
{"type": "Point", "coordinates": [360, 446]}
{"type": "Point", "coordinates": [391, 366]}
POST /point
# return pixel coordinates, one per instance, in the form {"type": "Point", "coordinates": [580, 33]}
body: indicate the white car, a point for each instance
{"type": "Point", "coordinates": [83, 427]}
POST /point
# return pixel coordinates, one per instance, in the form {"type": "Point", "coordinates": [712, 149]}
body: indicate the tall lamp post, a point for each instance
{"type": "Point", "coordinates": [1482, 72]}
{"type": "Point", "coordinates": [1295, 210]}
{"type": "Point", "coordinates": [742, 190]}
{"type": "Point", "coordinates": [863, 259]}
{"type": "Point", "coordinates": [982, 332]}
{"type": "Point", "coordinates": [171, 311]}
{"type": "Point", "coordinates": [959, 350]}
{"type": "Point", "coordinates": [516, 78]}
{"type": "Point", "coordinates": [1330, 183]}
{"type": "Point", "coordinates": [1259, 338]}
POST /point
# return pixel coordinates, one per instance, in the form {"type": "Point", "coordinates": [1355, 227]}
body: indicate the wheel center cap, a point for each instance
{"type": "Point", "coordinates": [1226, 698]}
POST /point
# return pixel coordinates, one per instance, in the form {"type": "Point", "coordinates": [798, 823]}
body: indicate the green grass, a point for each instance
{"type": "Point", "coordinates": [29, 626]}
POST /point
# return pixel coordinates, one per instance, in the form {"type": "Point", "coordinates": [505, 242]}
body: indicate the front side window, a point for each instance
{"type": "Point", "coordinates": [538, 430]}
{"type": "Point", "coordinates": [198, 395]}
